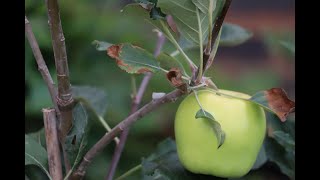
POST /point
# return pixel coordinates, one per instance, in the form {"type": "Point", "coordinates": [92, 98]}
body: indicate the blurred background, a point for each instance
{"type": "Point", "coordinates": [259, 64]}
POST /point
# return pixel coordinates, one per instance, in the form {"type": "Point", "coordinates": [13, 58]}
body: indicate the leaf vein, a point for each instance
{"type": "Point", "coordinates": [179, 5]}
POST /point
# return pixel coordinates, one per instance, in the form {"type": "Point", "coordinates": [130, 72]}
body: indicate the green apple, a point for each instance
{"type": "Point", "coordinates": [243, 122]}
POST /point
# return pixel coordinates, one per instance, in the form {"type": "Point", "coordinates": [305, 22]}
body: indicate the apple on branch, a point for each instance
{"type": "Point", "coordinates": [243, 124]}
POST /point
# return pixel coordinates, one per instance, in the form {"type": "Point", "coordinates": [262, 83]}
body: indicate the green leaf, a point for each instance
{"type": "Point", "coordinates": [207, 63]}
{"type": "Point", "coordinates": [144, 13]}
{"type": "Point", "coordinates": [35, 154]}
{"type": "Point", "coordinates": [289, 127]}
{"type": "Point", "coordinates": [277, 154]}
{"type": "Point", "coordinates": [157, 175]}
{"type": "Point", "coordinates": [230, 35]}
{"type": "Point", "coordinates": [233, 35]}
{"type": "Point", "coordinates": [147, 1]}
{"type": "Point", "coordinates": [203, 5]}
{"type": "Point", "coordinates": [101, 45]}
{"type": "Point", "coordinates": [77, 138]}
{"type": "Point", "coordinates": [185, 16]}
{"type": "Point", "coordinates": [204, 114]}
{"type": "Point", "coordinates": [274, 100]}
{"type": "Point", "coordinates": [168, 62]}
{"type": "Point", "coordinates": [166, 26]}
{"type": "Point", "coordinates": [34, 172]}
{"type": "Point", "coordinates": [39, 136]}
{"type": "Point", "coordinates": [275, 125]}
{"type": "Point", "coordinates": [92, 97]}
{"type": "Point", "coordinates": [164, 164]}
{"type": "Point", "coordinates": [164, 147]}
{"type": "Point", "coordinates": [282, 44]}
{"type": "Point", "coordinates": [261, 159]}
{"type": "Point", "coordinates": [285, 140]}
{"type": "Point", "coordinates": [156, 13]}
{"type": "Point", "coordinates": [95, 102]}
{"type": "Point", "coordinates": [264, 173]}
{"type": "Point", "coordinates": [186, 45]}
{"type": "Point", "coordinates": [289, 46]}
{"type": "Point", "coordinates": [133, 59]}
{"type": "Point", "coordinates": [214, 124]}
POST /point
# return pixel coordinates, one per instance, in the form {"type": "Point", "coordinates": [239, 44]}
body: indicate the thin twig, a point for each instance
{"type": "Point", "coordinates": [208, 57]}
{"type": "Point", "coordinates": [50, 125]}
{"type": "Point", "coordinates": [42, 67]}
{"type": "Point", "coordinates": [134, 107]}
{"type": "Point", "coordinates": [133, 85]}
{"type": "Point", "coordinates": [106, 139]}
{"type": "Point", "coordinates": [199, 73]}
{"type": "Point", "coordinates": [64, 100]}
{"type": "Point", "coordinates": [215, 32]}
{"type": "Point", "coordinates": [211, 7]}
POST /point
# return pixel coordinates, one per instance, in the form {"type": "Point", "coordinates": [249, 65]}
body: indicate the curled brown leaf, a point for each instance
{"type": "Point", "coordinates": [175, 78]}
{"type": "Point", "coordinates": [279, 102]}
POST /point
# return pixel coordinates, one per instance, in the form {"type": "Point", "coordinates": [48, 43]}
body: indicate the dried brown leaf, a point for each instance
{"type": "Point", "coordinates": [279, 102]}
{"type": "Point", "coordinates": [133, 59]}
{"type": "Point", "coordinates": [114, 51]}
{"type": "Point", "coordinates": [276, 101]}
{"type": "Point", "coordinates": [175, 78]}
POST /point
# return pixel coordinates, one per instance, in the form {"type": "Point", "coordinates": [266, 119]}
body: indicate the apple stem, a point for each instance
{"type": "Point", "coordinates": [196, 95]}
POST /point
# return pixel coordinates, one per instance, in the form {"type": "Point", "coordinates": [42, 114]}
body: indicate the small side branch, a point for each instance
{"type": "Point", "coordinates": [106, 139]}
{"type": "Point", "coordinates": [219, 21]}
{"type": "Point", "coordinates": [209, 53]}
{"type": "Point", "coordinates": [134, 107]}
{"type": "Point", "coordinates": [124, 135]}
{"type": "Point", "coordinates": [50, 121]}
{"type": "Point", "coordinates": [208, 58]}
{"type": "Point", "coordinates": [42, 67]}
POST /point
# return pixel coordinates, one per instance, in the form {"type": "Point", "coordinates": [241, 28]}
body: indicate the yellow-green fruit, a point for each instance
{"type": "Point", "coordinates": [244, 124]}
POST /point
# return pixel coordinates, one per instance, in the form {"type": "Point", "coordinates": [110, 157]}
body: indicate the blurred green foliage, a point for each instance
{"type": "Point", "coordinates": [85, 21]}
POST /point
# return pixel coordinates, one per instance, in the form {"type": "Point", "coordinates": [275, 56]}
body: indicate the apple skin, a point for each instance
{"type": "Point", "coordinates": [244, 124]}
